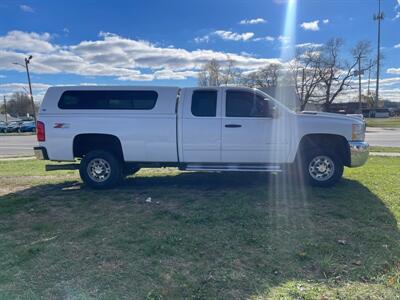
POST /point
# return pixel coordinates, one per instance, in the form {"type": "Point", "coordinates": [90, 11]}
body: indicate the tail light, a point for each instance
{"type": "Point", "coordinates": [40, 131]}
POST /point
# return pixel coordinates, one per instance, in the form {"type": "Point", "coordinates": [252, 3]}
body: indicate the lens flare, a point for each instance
{"type": "Point", "coordinates": [287, 192]}
{"type": "Point", "coordinates": [288, 37]}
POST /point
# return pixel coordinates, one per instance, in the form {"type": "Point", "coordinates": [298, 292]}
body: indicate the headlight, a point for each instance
{"type": "Point", "coordinates": [358, 132]}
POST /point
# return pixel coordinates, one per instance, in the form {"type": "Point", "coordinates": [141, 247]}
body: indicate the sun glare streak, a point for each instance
{"type": "Point", "coordinates": [287, 192]}
{"type": "Point", "coordinates": [288, 38]}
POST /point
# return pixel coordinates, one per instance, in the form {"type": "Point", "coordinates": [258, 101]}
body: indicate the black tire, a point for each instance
{"type": "Point", "coordinates": [109, 170]}
{"type": "Point", "coordinates": [322, 168]}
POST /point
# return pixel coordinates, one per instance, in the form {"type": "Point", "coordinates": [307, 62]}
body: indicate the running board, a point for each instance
{"type": "Point", "coordinates": [233, 168]}
{"type": "Point", "coordinates": [62, 167]}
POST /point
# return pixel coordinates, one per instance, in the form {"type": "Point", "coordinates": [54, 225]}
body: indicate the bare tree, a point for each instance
{"type": "Point", "coordinates": [209, 74]}
{"type": "Point", "coordinates": [306, 79]}
{"type": "Point", "coordinates": [214, 73]}
{"type": "Point", "coordinates": [230, 74]}
{"type": "Point", "coordinates": [361, 53]}
{"type": "Point", "coordinates": [335, 73]}
{"type": "Point", "coordinates": [267, 76]}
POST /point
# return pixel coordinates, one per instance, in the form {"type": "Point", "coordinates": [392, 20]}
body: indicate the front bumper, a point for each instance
{"type": "Point", "coordinates": [41, 153]}
{"type": "Point", "coordinates": [359, 152]}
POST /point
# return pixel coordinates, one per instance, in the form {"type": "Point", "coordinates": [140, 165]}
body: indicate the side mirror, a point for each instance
{"type": "Point", "coordinates": [274, 112]}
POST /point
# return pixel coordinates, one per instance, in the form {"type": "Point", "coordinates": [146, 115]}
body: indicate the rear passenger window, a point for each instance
{"type": "Point", "coordinates": [134, 100]}
{"type": "Point", "coordinates": [204, 103]}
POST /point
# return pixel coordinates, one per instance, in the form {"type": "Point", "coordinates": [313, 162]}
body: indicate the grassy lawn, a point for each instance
{"type": "Point", "coordinates": [384, 122]}
{"type": "Point", "coordinates": [16, 133]}
{"type": "Point", "coordinates": [202, 236]}
{"type": "Point", "coordinates": [384, 149]}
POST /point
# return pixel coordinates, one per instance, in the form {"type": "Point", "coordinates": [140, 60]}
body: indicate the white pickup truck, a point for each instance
{"type": "Point", "coordinates": [115, 131]}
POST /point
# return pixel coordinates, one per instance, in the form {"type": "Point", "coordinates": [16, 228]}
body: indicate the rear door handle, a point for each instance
{"type": "Point", "coordinates": [233, 125]}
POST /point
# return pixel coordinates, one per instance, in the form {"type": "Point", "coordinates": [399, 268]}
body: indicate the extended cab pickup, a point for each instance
{"type": "Point", "coordinates": [115, 131]}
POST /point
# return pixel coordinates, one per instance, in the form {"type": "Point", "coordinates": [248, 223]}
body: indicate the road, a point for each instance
{"type": "Point", "coordinates": [386, 137]}
{"type": "Point", "coordinates": [22, 145]}
{"type": "Point", "coordinates": [17, 145]}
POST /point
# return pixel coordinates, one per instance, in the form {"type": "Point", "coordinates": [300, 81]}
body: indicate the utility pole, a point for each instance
{"type": "Point", "coordinates": [5, 107]}
{"type": "Point", "coordinates": [27, 61]}
{"type": "Point", "coordinates": [359, 85]}
{"type": "Point", "coordinates": [378, 18]}
{"type": "Point", "coordinates": [369, 75]}
{"type": "Point", "coordinates": [358, 73]}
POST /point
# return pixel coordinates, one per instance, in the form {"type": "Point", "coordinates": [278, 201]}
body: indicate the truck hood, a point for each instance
{"type": "Point", "coordinates": [333, 116]}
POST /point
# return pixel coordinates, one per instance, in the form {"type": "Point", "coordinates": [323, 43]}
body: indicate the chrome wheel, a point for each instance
{"type": "Point", "coordinates": [99, 169]}
{"type": "Point", "coordinates": [321, 168]}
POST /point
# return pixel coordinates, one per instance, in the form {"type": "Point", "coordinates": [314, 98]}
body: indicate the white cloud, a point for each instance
{"type": "Point", "coordinates": [397, 46]}
{"type": "Point", "coordinates": [233, 36]}
{"type": "Point", "coordinates": [393, 71]}
{"type": "Point", "coordinates": [389, 89]}
{"type": "Point", "coordinates": [325, 21]}
{"type": "Point", "coordinates": [23, 41]}
{"type": "Point", "coordinates": [116, 56]}
{"type": "Point", "coordinates": [225, 35]}
{"type": "Point", "coordinates": [20, 86]}
{"type": "Point", "coordinates": [267, 38]}
{"type": "Point", "coordinates": [26, 8]}
{"type": "Point", "coordinates": [309, 45]}
{"type": "Point", "coordinates": [390, 81]}
{"type": "Point", "coordinates": [202, 39]}
{"type": "Point", "coordinates": [313, 25]}
{"type": "Point", "coordinates": [383, 82]}
{"type": "Point", "coordinates": [252, 21]}
{"type": "Point", "coordinates": [2, 76]}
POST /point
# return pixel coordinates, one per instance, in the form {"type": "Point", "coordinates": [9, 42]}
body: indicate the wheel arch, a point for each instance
{"type": "Point", "coordinates": [333, 142]}
{"type": "Point", "coordinates": [86, 142]}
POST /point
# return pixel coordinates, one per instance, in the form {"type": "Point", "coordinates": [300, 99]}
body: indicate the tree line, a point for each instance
{"type": "Point", "coordinates": [18, 105]}
{"type": "Point", "coordinates": [318, 74]}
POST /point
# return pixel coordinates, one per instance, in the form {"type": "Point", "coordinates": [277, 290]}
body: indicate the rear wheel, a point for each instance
{"type": "Point", "coordinates": [322, 168]}
{"type": "Point", "coordinates": [100, 170]}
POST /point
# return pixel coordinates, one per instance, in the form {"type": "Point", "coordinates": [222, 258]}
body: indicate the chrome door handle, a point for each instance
{"type": "Point", "coordinates": [233, 125]}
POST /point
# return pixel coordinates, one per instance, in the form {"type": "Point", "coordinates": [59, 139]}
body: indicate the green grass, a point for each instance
{"type": "Point", "coordinates": [385, 149]}
{"type": "Point", "coordinates": [203, 236]}
{"type": "Point", "coordinates": [384, 122]}
{"type": "Point", "coordinates": [16, 133]}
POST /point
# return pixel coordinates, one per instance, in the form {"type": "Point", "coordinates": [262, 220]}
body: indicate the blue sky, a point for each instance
{"type": "Point", "coordinates": [164, 42]}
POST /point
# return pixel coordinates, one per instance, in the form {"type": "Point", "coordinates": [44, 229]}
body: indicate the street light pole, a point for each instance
{"type": "Point", "coordinates": [378, 18]}
{"type": "Point", "coordinates": [30, 86]}
{"type": "Point", "coordinates": [27, 61]}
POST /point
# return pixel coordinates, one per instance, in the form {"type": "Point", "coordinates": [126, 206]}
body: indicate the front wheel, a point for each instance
{"type": "Point", "coordinates": [322, 168]}
{"type": "Point", "coordinates": [100, 170]}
